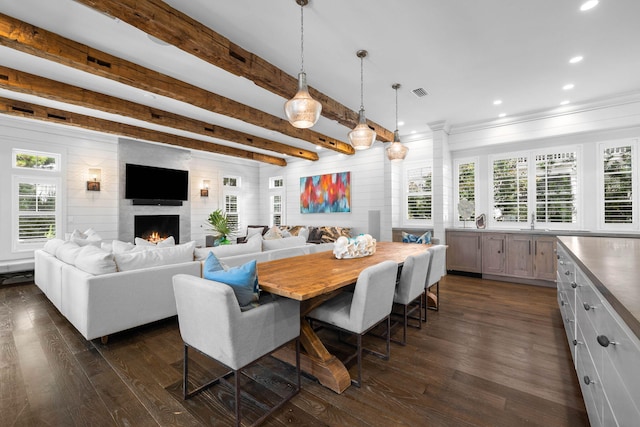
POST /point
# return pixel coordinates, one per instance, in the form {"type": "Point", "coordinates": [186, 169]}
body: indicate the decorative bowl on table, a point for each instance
{"type": "Point", "coordinates": [361, 246]}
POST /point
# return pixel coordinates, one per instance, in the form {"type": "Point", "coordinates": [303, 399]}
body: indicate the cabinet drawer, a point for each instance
{"type": "Point", "coordinates": [569, 321]}
{"type": "Point", "coordinates": [590, 384]}
{"type": "Point", "coordinates": [619, 397]}
{"type": "Point", "coordinates": [624, 355]}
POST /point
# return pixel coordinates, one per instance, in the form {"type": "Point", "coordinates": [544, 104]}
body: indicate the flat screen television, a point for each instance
{"type": "Point", "coordinates": [156, 185]}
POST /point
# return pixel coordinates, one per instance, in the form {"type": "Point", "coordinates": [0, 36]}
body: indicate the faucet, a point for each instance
{"type": "Point", "coordinates": [533, 220]}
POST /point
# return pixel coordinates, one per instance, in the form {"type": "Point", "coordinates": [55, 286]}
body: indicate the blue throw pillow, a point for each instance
{"type": "Point", "coordinates": [212, 263]}
{"type": "Point", "coordinates": [424, 239]}
{"type": "Point", "coordinates": [408, 238]}
{"type": "Point", "coordinates": [242, 279]}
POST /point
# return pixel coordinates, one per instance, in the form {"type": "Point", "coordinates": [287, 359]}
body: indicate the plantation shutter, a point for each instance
{"type": "Point", "coordinates": [618, 180]}
{"type": "Point", "coordinates": [419, 193]}
{"type": "Point", "coordinates": [556, 187]}
{"type": "Point", "coordinates": [467, 184]}
{"type": "Point", "coordinates": [510, 189]}
{"type": "Point", "coordinates": [37, 209]}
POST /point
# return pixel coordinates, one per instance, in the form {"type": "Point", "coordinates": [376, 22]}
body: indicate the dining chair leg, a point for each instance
{"type": "Point", "coordinates": [389, 335]}
{"type": "Point", "coordinates": [404, 329]}
{"type": "Point", "coordinates": [185, 371]}
{"type": "Point", "coordinates": [237, 393]}
{"type": "Point", "coordinates": [437, 306]}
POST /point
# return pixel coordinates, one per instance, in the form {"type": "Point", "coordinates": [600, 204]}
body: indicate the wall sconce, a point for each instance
{"type": "Point", "coordinates": [93, 184]}
{"type": "Point", "coordinates": [204, 191]}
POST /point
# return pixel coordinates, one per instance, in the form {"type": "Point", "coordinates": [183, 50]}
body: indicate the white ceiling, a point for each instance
{"type": "Point", "coordinates": [464, 53]}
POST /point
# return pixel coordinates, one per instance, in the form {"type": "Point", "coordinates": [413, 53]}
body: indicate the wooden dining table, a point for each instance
{"type": "Point", "coordinates": [313, 279]}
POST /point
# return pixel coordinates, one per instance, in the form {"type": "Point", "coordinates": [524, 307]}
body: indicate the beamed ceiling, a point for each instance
{"type": "Point", "coordinates": [214, 75]}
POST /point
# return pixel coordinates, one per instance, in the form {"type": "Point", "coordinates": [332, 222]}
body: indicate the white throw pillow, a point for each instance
{"type": "Point", "coordinates": [252, 231]}
{"type": "Point", "coordinates": [273, 233]}
{"type": "Point", "coordinates": [67, 252]}
{"type": "Point", "coordinates": [169, 241]}
{"type": "Point", "coordinates": [288, 242]}
{"type": "Point", "coordinates": [143, 242]}
{"type": "Point", "coordinates": [304, 232]}
{"type": "Point", "coordinates": [119, 246]}
{"type": "Point", "coordinates": [135, 260]}
{"type": "Point", "coordinates": [52, 245]}
{"type": "Point", "coordinates": [95, 261]}
{"type": "Point", "coordinates": [89, 237]}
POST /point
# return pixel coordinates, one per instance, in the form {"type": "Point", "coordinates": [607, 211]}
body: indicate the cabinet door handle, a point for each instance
{"type": "Point", "coordinates": [576, 342]}
{"type": "Point", "coordinates": [567, 273]}
{"type": "Point", "coordinates": [562, 303]}
{"type": "Point", "coordinates": [603, 340]}
{"type": "Point", "coordinates": [587, 380]}
{"type": "Point", "coordinates": [529, 247]}
{"type": "Point", "coordinates": [574, 285]}
{"type": "Point", "coordinates": [535, 247]}
{"type": "Point", "coordinates": [588, 307]}
{"type": "Point", "coordinates": [478, 241]}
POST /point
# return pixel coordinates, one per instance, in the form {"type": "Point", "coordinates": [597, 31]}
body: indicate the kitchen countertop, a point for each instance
{"type": "Point", "coordinates": [613, 265]}
{"type": "Point", "coordinates": [547, 232]}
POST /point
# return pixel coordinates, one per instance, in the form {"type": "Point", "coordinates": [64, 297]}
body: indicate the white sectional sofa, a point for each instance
{"type": "Point", "coordinates": [102, 292]}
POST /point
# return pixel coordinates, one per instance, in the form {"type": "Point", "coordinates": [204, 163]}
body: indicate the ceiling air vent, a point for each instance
{"type": "Point", "coordinates": [420, 92]}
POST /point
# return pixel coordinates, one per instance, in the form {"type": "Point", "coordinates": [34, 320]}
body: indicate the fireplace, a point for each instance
{"type": "Point", "coordinates": [157, 227]}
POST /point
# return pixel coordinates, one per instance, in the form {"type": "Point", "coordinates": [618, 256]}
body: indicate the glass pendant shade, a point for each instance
{"type": "Point", "coordinates": [302, 110]}
{"type": "Point", "coordinates": [396, 151]}
{"type": "Point", "coordinates": [362, 136]}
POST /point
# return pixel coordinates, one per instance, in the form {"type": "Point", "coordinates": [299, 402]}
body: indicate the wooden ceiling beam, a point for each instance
{"type": "Point", "coordinates": [36, 41]}
{"type": "Point", "coordinates": [31, 84]}
{"type": "Point", "coordinates": [160, 20]}
{"type": "Point", "coordinates": [30, 110]}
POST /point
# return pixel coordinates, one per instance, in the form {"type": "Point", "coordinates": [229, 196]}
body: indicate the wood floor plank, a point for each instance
{"type": "Point", "coordinates": [494, 355]}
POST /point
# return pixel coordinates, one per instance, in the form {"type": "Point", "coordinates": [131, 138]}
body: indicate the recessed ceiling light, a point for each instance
{"type": "Point", "coordinates": [565, 102]}
{"type": "Point", "coordinates": [589, 4]}
{"type": "Point", "coordinates": [568, 86]}
{"type": "Point", "coordinates": [413, 131]}
{"type": "Point", "coordinates": [318, 147]}
{"type": "Point", "coordinates": [497, 102]}
{"type": "Point", "coordinates": [575, 59]}
{"type": "Point", "coordinates": [400, 123]}
{"type": "Point", "coordinates": [501, 115]}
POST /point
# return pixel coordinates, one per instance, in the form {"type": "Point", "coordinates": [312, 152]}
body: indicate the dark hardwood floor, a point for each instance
{"type": "Point", "coordinates": [494, 355]}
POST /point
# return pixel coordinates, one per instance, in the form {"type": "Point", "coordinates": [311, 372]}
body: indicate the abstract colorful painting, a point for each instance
{"type": "Point", "coordinates": [325, 193]}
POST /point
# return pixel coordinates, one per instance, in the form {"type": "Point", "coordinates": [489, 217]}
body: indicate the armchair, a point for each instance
{"type": "Point", "coordinates": [211, 322]}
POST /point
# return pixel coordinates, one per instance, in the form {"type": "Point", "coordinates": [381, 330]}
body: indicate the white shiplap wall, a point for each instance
{"type": "Point", "coordinates": [80, 150]}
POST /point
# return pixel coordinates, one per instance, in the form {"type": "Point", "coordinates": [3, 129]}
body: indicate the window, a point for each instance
{"type": "Point", "coordinates": [34, 160]}
{"type": "Point", "coordinates": [231, 195]}
{"type": "Point", "coordinates": [276, 200]}
{"type": "Point", "coordinates": [418, 193]}
{"type": "Point", "coordinates": [231, 209]}
{"type": "Point", "coordinates": [617, 185]}
{"type": "Point", "coordinates": [536, 186]}
{"type": "Point", "coordinates": [276, 210]}
{"type": "Point", "coordinates": [556, 187]}
{"type": "Point", "coordinates": [276, 182]}
{"type": "Point", "coordinates": [466, 183]}
{"type": "Point", "coordinates": [36, 207]}
{"type": "Point", "coordinates": [510, 179]}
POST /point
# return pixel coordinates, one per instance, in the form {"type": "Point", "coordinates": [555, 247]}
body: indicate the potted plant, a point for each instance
{"type": "Point", "coordinates": [220, 226]}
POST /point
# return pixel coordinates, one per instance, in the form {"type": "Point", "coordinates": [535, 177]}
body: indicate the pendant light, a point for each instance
{"type": "Point", "coordinates": [362, 136]}
{"type": "Point", "coordinates": [396, 151]}
{"type": "Point", "coordinates": [302, 111]}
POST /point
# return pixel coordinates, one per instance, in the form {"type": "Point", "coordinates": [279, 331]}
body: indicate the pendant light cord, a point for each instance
{"type": "Point", "coordinates": [361, 83]}
{"type": "Point", "coordinates": [396, 108]}
{"type": "Point", "coordinates": [302, 37]}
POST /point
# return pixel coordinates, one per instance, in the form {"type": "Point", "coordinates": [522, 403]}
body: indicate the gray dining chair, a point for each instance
{"type": "Point", "coordinates": [359, 311]}
{"type": "Point", "coordinates": [437, 270]}
{"type": "Point", "coordinates": [411, 287]}
{"type": "Point", "coordinates": [211, 322]}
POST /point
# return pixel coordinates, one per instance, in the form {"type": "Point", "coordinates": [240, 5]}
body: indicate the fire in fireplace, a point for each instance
{"type": "Point", "coordinates": [156, 228]}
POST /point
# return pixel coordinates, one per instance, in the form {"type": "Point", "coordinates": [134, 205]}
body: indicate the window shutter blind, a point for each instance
{"type": "Point", "coordinates": [36, 211]}
{"type": "Point", "coordinates": [510, 189]}
{"type": "Point", "coordinates": [419, 193]}
{"type": "Point", "coordinates": [618, 180]}
{"type": "Point", "coordinates": [467, 184]}
{"type": "Point", "coordinates": [556, 187]}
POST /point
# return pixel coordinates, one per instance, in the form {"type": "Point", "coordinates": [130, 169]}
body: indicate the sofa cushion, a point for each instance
{"type": "Point", "coordinates": [89, 237]}
{"type": "Point", "coordinates": [154, 257]}
{"type": "Point", "coordinates": [287, 242]}
{"type": "Point", "coordinates": [273, 233]}
{"type": "Point", "coordinates": [52, 245]}
{"type": "Point", "coordinates": [95, 261]}
{"type": "Point", "coordinates": [242, 279]}
{"type": "Point", "coordinates": [255, 230]}
{"type": "Point", "coordinates": [254, 244]}
{"type": "Point", "coordinates": [67, 252]}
